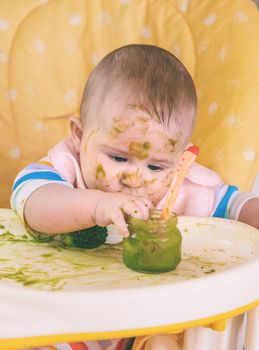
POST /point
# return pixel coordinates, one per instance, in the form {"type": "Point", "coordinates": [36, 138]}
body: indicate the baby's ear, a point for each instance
{"type": "Point", "coordinates": [76, 129]}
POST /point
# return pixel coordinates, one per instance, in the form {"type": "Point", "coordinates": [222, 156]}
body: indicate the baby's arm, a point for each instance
{"type": "Point", "coordinates": [55, 208]}
{"type": "Point", "coordinates": [49, 203]}
{"type": "Point", "coordinates": [237, 205]}
{"type": "Point", "coordinates": [249, 213]}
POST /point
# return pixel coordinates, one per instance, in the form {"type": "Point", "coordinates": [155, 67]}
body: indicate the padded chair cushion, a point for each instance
{"type": "Point", "coordinates": [48, 48]}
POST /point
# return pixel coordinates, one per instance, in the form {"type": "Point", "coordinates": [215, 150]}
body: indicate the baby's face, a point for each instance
{"type": "Point", "coordinates": [126, 150]}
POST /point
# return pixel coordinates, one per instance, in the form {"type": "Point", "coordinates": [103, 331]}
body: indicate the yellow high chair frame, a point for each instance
{"type": "Point", "coordinates": [48, 48]}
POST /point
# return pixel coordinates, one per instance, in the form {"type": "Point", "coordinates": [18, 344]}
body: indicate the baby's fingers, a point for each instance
{"type": "Point", "coordinates": [119, 221]}
{"type": "Point", "coordinates": [135, 209]}
{"type": "Point", "coordinates": [144, 205]}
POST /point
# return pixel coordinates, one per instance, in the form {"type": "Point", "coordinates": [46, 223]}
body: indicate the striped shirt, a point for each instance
{"type": "Point", "coordinates": [62, 166]}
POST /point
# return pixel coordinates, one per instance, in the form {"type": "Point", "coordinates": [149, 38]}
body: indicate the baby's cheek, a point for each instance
{"type": "Point", "coordinates": [100, 176]}
{"type": "Point", "coordinates": [105, 179]}
{"type": "Point", "coordinates": [164, 178]}
{"type": "Point", "coordinates": [165, 181]}
{"type": "Point", "coordinates": [157, 188]}
{"type": "Point", "coordinates": [100, 173]}
{"type": "Point", "coordinates": [168, 178]}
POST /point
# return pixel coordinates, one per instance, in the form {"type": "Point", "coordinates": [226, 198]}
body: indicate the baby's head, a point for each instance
{"type": "Point", "coordinates": [137, 116]}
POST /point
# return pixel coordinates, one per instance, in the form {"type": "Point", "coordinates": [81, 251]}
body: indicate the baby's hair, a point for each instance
{"type": "Point", "coordinates": [151, 76]}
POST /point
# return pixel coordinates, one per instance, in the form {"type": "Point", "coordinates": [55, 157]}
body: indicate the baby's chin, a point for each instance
{"type": "Point", "coordinates": [154, 197]}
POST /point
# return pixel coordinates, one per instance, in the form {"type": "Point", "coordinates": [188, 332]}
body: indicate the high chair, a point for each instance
{"type": "Point", "coordinates": [47, 49]}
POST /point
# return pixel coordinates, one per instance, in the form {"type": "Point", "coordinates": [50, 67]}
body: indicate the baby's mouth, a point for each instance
{"type": "Point", "coordinates": [132, 191]}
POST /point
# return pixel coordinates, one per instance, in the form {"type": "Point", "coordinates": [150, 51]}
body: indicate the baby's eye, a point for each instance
{"type": "Point", "coordinates": [118, 159]}
{"type": "Point", "coordinates": [154, 167]}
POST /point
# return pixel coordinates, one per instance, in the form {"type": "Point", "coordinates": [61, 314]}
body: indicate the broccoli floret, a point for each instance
{"type": "Point", "coordinates": [89, 238]}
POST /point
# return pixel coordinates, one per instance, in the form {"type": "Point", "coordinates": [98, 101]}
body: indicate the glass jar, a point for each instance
{"type": "Point", "coordinates": [154, 245]}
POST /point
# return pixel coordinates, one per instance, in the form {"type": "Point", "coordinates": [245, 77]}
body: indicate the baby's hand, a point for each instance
{"type": "Point", "coordinates": [114, 207]}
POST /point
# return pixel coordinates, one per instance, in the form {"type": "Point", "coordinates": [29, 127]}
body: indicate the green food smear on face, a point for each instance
{"type": "Point", "coordinates": [89, 139]}
{"type": "Point", "coordinates": [149, 182]}
{"type": "Point", "coordinates": [118, 126]}
{"type": "Point", "coordinates": [140, 150]}
{"type": "Point", "coordinates": [100, 173]}
{"type": "Point", "coordinates": [172, 144]}
{"type": "Point", "coordinates": [119, 129]}
{"type": "Point", "coordinates": [132, 177]}
{"type": "Point", "coordinates": [2, 226]}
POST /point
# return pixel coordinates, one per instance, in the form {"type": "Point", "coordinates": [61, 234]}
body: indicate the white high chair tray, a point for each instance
{"type": "Point", "coordinates": [46, 289]}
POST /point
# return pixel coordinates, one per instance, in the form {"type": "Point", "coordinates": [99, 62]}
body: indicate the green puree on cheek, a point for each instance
{"type": "Point", "coordinates": [100, 173]}
{"type": "Point", "coordinates": [153, 246]}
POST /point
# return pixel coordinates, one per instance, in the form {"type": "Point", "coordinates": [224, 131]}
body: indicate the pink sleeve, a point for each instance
{"type": "Point", "coordinates": [66, 161]}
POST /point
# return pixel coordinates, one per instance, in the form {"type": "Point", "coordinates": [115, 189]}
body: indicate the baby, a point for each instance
{"type": "Point", "coordinates": [137, 115]}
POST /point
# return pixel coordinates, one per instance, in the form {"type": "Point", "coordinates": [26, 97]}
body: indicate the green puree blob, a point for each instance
{"type": "Point", "coordinates": [154, 245]}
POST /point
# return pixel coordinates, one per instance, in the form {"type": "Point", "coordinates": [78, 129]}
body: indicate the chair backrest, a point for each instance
{"type": "Point", "coordinates": [48, 48]}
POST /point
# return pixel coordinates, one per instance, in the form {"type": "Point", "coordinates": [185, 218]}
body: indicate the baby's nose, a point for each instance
{"type": "Point", "coordinates": [132, 179]}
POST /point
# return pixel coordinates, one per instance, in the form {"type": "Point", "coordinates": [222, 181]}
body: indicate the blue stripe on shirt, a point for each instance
{"type": "Point", "coordinates": [221, 211]}
{"type": "Point", "coordinates": [39, 175]}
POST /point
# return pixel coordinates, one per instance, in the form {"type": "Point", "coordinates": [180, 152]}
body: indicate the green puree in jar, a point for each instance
{"type": "Point", "coordinates": [154, 245]}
